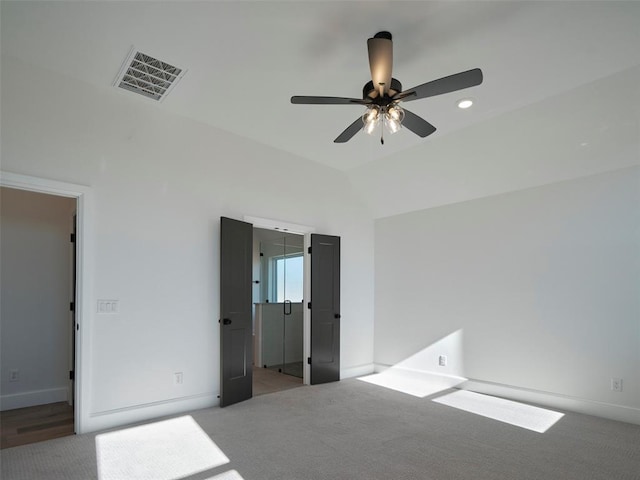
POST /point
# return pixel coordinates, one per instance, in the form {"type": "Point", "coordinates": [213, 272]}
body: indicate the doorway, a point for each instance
{"type": "Point", "coordinates": [278, 310]}
{"type": "Point", "coordinates": [38, 341]}
{"type": "Point", "coordinates": [321, 317]}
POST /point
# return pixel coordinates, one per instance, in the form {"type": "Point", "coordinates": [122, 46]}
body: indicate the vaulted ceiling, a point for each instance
{"type": "Point", "coordinates": [244, 61]}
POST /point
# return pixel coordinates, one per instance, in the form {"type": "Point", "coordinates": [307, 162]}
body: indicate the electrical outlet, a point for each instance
{"type": "Point", "coordinates": [442, 360]}
{"type": "Point", "coordinates": [14, 375]}
{"type": "Point", "coordinates": [177, 378]}
{"type": "Point", "coordinates": [616, 384]}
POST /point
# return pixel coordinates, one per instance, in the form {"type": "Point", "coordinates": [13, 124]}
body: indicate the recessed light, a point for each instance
{"type": "Point", "coordinates": [465, 103]}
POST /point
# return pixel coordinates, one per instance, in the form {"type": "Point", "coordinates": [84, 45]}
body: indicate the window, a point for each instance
{"type": "Point", "coordinates": [288, 278]}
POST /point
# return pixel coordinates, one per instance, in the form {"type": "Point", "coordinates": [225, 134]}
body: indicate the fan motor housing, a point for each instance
{"type": "Point", "coordinates": [369, 92]}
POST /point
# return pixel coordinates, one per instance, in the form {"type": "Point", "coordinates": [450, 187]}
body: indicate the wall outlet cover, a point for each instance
{"type": "Point", "coordinates": [616, 384]}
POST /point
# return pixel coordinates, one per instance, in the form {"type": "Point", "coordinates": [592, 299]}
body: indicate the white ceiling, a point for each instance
{"type": "Point", "coordinates": [246, 59]}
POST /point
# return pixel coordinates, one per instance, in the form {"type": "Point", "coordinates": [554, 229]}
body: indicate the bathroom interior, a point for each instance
{"type": "Point", "coordinates": [278, 280]}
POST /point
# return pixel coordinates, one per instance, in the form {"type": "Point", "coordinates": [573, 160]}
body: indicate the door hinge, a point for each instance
{"type": "Point", "coordinates": [309, 360]}
{"type": "Point", "coordinates": [309, 250]}
{"type": "Point", "coordinates": [72, 306]}
{"type": "Point", "coordinates": [72, 238]}
{"type": "Point", "coordinates": [309, 305]}
{"type": "Point", "coordinates": [72, 375]}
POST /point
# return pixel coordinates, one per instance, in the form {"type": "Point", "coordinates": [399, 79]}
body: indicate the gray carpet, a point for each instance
{"type": "Point", "coordinates": [356, 430]}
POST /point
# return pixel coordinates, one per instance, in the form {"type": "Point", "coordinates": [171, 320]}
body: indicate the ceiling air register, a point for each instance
{"type": "Point", "coordinates": [148, 76]}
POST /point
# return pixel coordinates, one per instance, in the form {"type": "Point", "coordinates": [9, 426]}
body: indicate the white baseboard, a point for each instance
{"type": "Point", "coordinates": [553, 400]}
{"type": "Point", "coordinates": [35, 397]}
{"type": "Point", "coordinates": [357, 371]}
{"type": "Point", "coordinates": [138, 413]}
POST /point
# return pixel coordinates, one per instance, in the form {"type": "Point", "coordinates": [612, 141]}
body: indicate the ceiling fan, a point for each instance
{"type": "Point", "coordinates": [383, 94]}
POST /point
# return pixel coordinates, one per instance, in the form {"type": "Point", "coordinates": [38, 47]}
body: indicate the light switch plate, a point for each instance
{"type": "Point", "coordinates": [108, 306]}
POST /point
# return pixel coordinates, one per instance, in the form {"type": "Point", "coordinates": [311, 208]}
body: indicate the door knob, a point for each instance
{"type": "Point", "coordinates": [337, 315]}
{"type": "Point", "coordinates": [226, 321]}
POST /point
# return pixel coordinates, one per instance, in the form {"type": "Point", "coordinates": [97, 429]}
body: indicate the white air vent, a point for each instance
{"type": "Point", "coordinates": [148, 76]}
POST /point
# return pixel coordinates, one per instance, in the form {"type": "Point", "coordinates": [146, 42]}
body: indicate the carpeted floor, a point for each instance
{"type": "Point", "coordinates": [357, 430]}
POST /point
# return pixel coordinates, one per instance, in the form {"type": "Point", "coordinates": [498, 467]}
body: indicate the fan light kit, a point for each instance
{"type": "Point", "coordinates": [390, 118]}
{"type": "Point", "coordinates": [383, 93]}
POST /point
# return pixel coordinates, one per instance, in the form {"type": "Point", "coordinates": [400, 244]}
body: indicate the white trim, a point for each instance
{"type": "Point", "coordinates": [380, 367]}
{"type": "Point", "coordinates": [146, 411]}
{"type": "Point", "coordinates": [305, 230]}
{"type": "Point", "coordinates": [357, 371]}
{"type": "Point", "coordinates": [554, 400]}
{"type": "Point", "coordinates": [84, 268]}
{"type": "Point", "coordinates": [35, 397]}
{"type": "Point", "coordinates": [271, 224]}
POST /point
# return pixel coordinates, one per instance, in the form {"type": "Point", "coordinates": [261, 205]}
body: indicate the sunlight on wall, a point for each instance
{"type": "Point", "coordinates": [515, 413]}
{"type": "Point", "coordinates": [166, 450]}
{"type": "Point", "coordinates": [421, 374]}
{"type": "Point", "coordinates": [427, 359]}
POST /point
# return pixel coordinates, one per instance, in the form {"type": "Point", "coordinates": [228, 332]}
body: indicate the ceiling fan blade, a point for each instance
{"type": "Point", "coordinates": [301, 100]}
{"type": "Point", "coordinates": [452, 83]}
{"type": "Point", "coordinates": [416, 124]}
{"type": "Point", "coordinates": [381, 61]}
{"type": "Point", "coordinates": [350, 131]}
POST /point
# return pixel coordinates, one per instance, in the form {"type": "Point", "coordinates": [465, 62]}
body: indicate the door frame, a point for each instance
{"type": "Point", "coordinates": [84, 274]}
{"type": "Point", "coordinates": [306, 231]}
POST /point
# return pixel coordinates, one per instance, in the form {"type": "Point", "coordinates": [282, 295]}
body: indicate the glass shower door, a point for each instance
{"type": "Point", "coordinates": [282, 280]}
{"type": "Point", "coordinates": [293, 292]}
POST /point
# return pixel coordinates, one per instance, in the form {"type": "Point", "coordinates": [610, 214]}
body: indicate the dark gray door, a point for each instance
{"type": "Point", "coordinates": [325, 308]}
{"type": "Point", "coordinates": [236, 333]}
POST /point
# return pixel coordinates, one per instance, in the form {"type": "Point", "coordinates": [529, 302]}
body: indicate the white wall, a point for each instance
{"type": "Point", "coordinates": [544, 284]}
{"type": "Point", "coordinates": [36, 290]}
{"type": "Point", "coordinates": [159, 184]}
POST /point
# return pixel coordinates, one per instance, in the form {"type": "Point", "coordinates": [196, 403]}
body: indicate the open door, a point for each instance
{"type": "Point", "coordinates": [236, 333]}
{"type": "Point", "coordinates": [325, 308]}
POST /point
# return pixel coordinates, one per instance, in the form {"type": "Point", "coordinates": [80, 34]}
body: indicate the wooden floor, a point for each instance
{"type": "Point", "coordinates": [35, 424]}
{"type": "Point", "coordinates": [268, 381]}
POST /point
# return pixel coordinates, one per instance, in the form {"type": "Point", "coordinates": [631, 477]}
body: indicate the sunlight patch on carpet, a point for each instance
{"type": "Point", "coordinates": [507, 411]}
{"type": "Point", "coordinates": [166, 450]}
{"type": "Point", "coordinates": [411, 382]}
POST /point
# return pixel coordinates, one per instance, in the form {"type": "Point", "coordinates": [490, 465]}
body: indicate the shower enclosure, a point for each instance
{"type": "Point", "coordinates": [278, 308]}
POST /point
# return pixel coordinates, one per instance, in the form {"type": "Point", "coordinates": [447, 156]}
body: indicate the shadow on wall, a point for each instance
{"type": "Point", "coordinates": [439, 368]}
